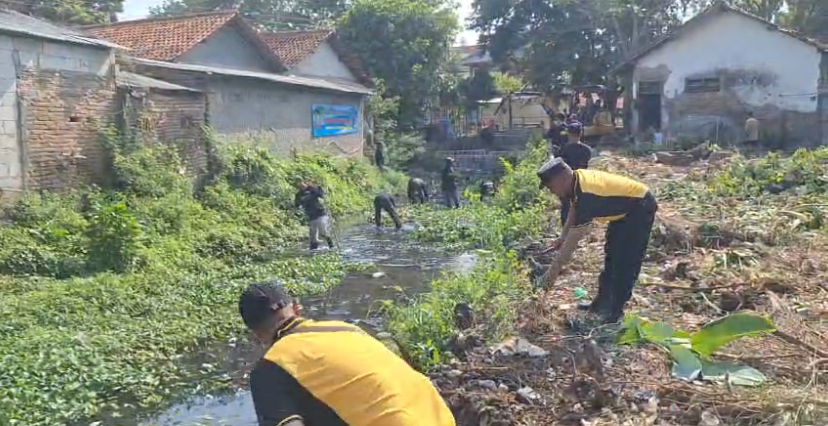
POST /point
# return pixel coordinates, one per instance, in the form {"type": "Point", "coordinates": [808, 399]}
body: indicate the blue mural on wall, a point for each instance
{"type": "Point", "coordinates": [334, 120]}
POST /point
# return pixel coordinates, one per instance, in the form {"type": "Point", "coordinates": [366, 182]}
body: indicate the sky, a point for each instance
{"type": "Point", "coordinates": [137, 9]}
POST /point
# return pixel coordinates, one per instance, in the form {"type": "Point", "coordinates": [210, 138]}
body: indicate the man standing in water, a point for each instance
{"type": "Point", "coordinates": [627, 206]}
{"type": "Point", "coordinates": [448, 183]}
{"type": "Point", "coordinates": [330, 373]}
{"type": "Point", "coordinates": [385, 201]}
{"type": "Point", "coordinates": [309, 198]}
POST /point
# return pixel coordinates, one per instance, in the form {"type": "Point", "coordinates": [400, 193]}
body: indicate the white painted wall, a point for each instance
{"type": "Point", "coordinates": [732, 41]}
{"type": "Point", "coordinates": [32, 53]}
{"type": "Point", "coordinates": [323, 63]}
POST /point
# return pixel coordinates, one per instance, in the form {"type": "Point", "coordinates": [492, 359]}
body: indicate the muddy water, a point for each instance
{"type": "Point", "coordinates": [403, 264]}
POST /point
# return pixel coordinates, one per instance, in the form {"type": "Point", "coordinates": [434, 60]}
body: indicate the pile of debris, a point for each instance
{"type": "Point", "coordinates": [567, 369]}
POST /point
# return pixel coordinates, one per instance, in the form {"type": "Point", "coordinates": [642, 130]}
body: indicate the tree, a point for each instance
{"type": "Point", "coordinates": [405, 43]}
{"type": "Point", "coordinates": [74, 12]}
{"type": "Point", "coordinates": [272, 15]}
{"type": "Point", "coordinates": [507, 83]}
{"type": "Point", "coordinates": [809, 17]}
{"type": "Point", "coordinates": [559, 42]}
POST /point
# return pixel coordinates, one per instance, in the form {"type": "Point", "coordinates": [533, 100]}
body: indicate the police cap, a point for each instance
{"type": "Point", "coordinates": [549, 170]}
{"type": "Point", "coordinates": [259, 301]}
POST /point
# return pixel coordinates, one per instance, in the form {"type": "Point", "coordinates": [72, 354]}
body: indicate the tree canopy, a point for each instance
{"type": "Point", "coordinates": [75, 12]}
{"type": "Point", "coordinates": [404, 43]}
{"type": "Point", "coordinates": [268, 14]}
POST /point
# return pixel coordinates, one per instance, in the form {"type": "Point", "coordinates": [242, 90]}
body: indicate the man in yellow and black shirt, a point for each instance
{"type": "Point", "coordinates": [629, 209]}
{"type": "Point", "coordinates": [330, 373]}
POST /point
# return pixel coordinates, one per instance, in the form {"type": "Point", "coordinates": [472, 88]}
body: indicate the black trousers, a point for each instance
{"type": "Point", "coordinates": [383, 203]}
{"type": "Point", "coordinates": [379, 159]}
{"type": "Point", "coordinates": [624, 251]}
{"type": "Point", "coordinates": [417, 195]}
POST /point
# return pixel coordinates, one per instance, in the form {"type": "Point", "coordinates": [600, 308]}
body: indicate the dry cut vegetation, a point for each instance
{"type": "Point", "coordinates": [732, 236]}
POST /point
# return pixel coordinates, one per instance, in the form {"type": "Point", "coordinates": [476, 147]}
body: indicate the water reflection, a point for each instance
{"type": "Point", "coordinates": [405, 265]}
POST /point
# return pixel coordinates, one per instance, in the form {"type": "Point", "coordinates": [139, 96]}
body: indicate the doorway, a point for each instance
{"type": "Point", "coordinates": [649, 105]}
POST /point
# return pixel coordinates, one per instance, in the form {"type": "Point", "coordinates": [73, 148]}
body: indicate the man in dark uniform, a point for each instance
{"type": "Point", "coordinates": [576, 155]}
{"type": "Point", "coordinates": [309, 198]}
{"type": "Point", "coordinates": [379, 154]}
{"type": "Point", "coordinates": [417, 191]}
{"type": "Point", "coordinates": [626, 205]}
{"type": "Point", "coordinates": [330, 373]}
{"type": "Point", "coordinates": [487, 190]}
{"type": "Point", "coordinates": [448, 183]}
{"type": "Point", "coordinates": [385, 201]}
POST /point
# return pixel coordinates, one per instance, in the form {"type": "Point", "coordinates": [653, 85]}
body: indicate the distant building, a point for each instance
{"type": "Point", "coordinates": [703, 79]}
{"type": "Point", "coordinates": [253, 92]}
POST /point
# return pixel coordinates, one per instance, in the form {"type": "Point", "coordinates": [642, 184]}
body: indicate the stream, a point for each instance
{"type": "Point", "coordinates": [405, 265]}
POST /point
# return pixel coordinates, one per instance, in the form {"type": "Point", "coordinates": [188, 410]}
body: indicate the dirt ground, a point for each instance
{"type": "Point", "coordinates": [587, 380]}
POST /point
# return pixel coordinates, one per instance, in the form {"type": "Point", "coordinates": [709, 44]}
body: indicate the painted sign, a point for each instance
{"type": "Point", "coordinates": [334, 120]}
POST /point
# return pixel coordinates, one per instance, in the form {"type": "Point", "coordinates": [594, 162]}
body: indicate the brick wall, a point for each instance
{"type": "Point", "coordinates": [171, 117]}
{"type": "Point", "coordinates": [721, 115]}
{"type": "Point", "coordinates": [272, 114]}
{"type": "Point", "coordinates": [66, 95]}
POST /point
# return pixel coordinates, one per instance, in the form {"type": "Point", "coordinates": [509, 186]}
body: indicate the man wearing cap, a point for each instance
{"type": "Point", "coordinates": [330, 373]}
{"type": "Point", "coordinates": [448, 183]}
{"type": "Point", "coordinates": [629, 209]}
{"type": "Point", "coordinates": [576, 155]}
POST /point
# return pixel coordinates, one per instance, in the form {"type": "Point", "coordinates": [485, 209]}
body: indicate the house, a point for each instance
{"type": "Point", "coordinates": [701, 81]}
{"type": "Point", "coordinates": [249, 90]}
{"type": "Point", "coordinates": [58, 88]}
{"type": "Point", "coordinates": [317, 53]}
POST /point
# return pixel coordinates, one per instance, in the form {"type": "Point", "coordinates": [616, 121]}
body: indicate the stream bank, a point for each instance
{"type": "Point", "coordinates": [400, 265]}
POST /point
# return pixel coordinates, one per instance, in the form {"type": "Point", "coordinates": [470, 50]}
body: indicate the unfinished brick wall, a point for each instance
{"type": "Point", "coordinates": [63, 113]}
{"type": "Point", "coordinates": [699, 114]}
{"type": "Point", "coordinates": [171, 117]}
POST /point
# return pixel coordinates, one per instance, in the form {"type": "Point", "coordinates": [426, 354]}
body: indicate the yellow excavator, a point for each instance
{"type": "Point", "coordinates": [601, 120]}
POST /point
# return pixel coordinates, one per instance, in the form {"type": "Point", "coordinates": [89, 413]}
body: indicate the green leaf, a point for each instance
{"type": "Point", "coordinates": [719, 333]}
{"type": "Point", "coordinates": [629, 333]}
{"type": "Point", "coordinates": [658, 332]}
{"type": "Point", "coordinates": [735, 374]}
{"type": "Point", "coordinates": [686, 364]}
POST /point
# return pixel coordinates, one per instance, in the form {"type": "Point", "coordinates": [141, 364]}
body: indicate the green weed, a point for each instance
{"type": "Point", "coordinates": [104, 289]}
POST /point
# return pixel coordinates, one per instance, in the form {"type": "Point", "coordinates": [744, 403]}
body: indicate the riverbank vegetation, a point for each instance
{"type": "Point", "coordinates": [104, 289]}
{"type": "Point", "coordinates": [426, 325]}
{"type": "Point", "coordinates": [733, 236]}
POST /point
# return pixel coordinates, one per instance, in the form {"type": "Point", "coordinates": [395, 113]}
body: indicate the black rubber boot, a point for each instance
{"type": "Point", "coordinates": [330, 242]}
{"type": "Point", "coordinates": [314, 246]}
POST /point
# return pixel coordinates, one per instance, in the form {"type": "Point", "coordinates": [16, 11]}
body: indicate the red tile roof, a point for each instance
{"type": "Point", "coordinates": [292, 47]}
{"type": "Point", "coordinates": [162, 39]}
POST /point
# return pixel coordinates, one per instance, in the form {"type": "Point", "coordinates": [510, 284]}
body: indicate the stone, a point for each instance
{"type": "Point", "coordinates": [674, 158]}
{"type": "Point", "coordinates": [528, 395]}
{"type": "Point", "coordinates": [487, 384]}
{"type": "Point", "coordinates": [519, 346]}
{"type": "Point", "coordinates": [454, 373]}
{"type": "Point", "coordinates": [717, 156]}
{"type": "Point", "coordinates": [709, 419]}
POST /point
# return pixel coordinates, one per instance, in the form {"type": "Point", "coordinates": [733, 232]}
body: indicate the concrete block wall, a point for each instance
{"type": "Point", "coordinates": [272, 114]}
{"type": "Point", "coordinates": [61, 96]}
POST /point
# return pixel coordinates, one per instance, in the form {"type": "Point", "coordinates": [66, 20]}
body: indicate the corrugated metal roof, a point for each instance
{"type": "Point", "coordinates": [129, 79]}
{"type": "Point", "coordinates": [337, 86]}
{"type": "Point", "coordinates": [18, 23]}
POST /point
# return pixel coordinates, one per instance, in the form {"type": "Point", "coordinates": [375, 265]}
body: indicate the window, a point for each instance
{"type": "Point", "coordinates": [650, 87]}
{"type": "Point", "coordinates": [701, 85]}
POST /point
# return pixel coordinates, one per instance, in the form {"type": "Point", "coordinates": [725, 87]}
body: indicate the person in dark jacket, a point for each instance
{"type": "Point", "coordinates": [309, 198]}
{"type": "Point", "coordinates": [379, 154]}
{"type": "Point", "coordinates": [487, 190]}
{"type": "Point", "coordinates": [385, 201]}
{"type": "Point", "coordinates": [417, 191]}
{"type": "Point", "coordinates": [448, 183]}
{"type": "Point", "coordinates": [576, 155]}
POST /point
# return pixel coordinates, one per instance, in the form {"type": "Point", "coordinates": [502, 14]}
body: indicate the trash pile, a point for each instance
{"type": "Point", "coordinates": [728, 325]}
